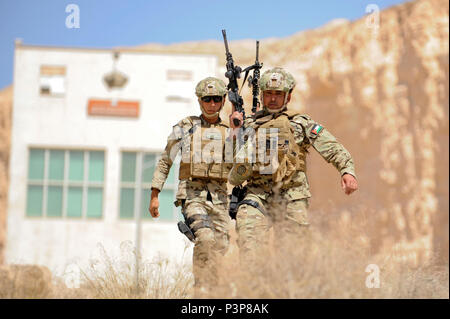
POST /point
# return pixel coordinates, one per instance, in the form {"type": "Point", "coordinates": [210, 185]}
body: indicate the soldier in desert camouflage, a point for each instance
{"type": "Point", "coordinates": [281, 197]}
{"type": "Point", "coordinates": [202, 190]}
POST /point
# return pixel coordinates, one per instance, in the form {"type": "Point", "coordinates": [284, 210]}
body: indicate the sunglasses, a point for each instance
{"type": "Point", "coordinates": [215, 98]}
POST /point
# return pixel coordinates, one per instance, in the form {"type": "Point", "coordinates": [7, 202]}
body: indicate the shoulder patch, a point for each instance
{"type": "Point", "coordinates": [316, 129]}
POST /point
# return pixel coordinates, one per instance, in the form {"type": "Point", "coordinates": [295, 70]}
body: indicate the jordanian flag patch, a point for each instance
{"type": "Point", "coordinates": [316, 129]}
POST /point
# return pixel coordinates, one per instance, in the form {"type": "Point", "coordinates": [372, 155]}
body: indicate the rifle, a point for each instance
{"type": "Point", "coordinates": [233, 73]}
{"type": "Point", "coordinates": [253, 81]}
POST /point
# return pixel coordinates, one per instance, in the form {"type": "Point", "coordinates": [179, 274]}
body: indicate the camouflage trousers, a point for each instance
{"type": "Point", "coordinates": [210, 242]}
{"type": "Point", "coordinates": [287, 217]}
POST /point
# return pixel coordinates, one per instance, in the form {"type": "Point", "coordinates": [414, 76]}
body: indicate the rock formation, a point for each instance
{"type": "Point", "coordinates": [5, 140]}
{"type": "Point", "coordinates": [384, 94]}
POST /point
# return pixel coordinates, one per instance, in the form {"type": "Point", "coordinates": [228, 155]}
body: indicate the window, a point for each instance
{"type": "Point", "coordinates": [179, 75]}
{"type": "Point", "coordinates": [180, 87]}
{"type": "Point", "coordinates": [52, 80]}
{"type": "Point", "coordinates": [176, 98]}
{"type": "Point", "coordinates": [135, 182]}
{"type": "Point", "coordinates": [65, 183]}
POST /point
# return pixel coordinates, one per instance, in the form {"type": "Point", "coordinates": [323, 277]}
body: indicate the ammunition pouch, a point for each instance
{"type": "Point", "coordinates": [291, 157]}
{"type": "Point", "coordinates": [200, 142]}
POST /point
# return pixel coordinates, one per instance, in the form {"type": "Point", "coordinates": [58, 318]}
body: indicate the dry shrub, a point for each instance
{"type": "Point", "coordinates": [324, 262]}
{"type": "Point", "coordinates": [115, 277]}
{"type": "Point", "coordinates": [329, 262]}
{"type": "Point", "coordinates": [25, 281]}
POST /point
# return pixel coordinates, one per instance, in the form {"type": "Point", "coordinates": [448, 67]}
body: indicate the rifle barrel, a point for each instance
{"type": "Point", "coordinates": [224, 33]}
{"type": "Point", "coordinates": [257, 51]}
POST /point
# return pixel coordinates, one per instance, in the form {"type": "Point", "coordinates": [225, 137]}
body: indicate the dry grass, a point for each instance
{"type": "Point", "coordinates": [326, 262]}
{"type": "Point", "coordinates": [320, 266]}
{"type": "Point", "coordinates": [114, 277]}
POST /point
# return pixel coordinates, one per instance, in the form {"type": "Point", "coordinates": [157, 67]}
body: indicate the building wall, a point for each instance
{"type": "Point", "coordinates": [50, 122]}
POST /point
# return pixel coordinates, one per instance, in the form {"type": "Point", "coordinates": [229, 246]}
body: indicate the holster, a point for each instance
{"type": "Point", "coordinates": [185, 230]}
{"type": "Point", "coordinates": [237, 196]}
{"type": "Point", "coordinates": [185, 227]}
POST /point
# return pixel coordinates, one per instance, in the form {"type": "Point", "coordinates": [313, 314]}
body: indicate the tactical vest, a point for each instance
{"type": "Point", "coordinates": [291, 157]}
{"type": "Point", "coordinates": [206, 153]}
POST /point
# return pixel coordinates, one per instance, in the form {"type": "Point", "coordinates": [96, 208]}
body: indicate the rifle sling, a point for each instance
{"type": "Point", "coordinates": [253, 204]}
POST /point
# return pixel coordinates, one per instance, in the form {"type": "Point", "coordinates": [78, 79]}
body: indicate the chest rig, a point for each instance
{"type": "Point", "coordinates": [204, 152]}
{"type": "Point", "coordinates": [291, 157]}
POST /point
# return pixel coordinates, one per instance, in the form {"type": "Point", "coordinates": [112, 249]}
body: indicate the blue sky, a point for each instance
{"type": "Point", "coordinates": [127, 23]}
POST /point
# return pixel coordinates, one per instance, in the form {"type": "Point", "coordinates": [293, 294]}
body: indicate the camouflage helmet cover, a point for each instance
{"type": "Point", "coordinates": [210, 87]}
{"type": "Point", "coordinates": [277, 79]}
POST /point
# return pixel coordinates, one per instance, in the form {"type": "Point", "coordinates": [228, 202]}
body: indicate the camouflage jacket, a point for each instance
{"type": "Point", "coordinates": [189, 189]}
{"type": "Point", "coordinates": [307, 133]}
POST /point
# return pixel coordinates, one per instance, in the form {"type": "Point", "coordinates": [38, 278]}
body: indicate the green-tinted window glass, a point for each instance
{"type": "Point", "coordinates": [166, 200]}
{"type": "Point", "coordinates": [56, 165]}
{"type": "Point", "coordinates": [96, 166]}
{"type": "Point", "coordinates": [34, 200]}
{"type": "Point", "coordinates": [77, 197]}
{"type": "Point", "coordinates": [74, 201]}
{"type": "Point", "coordinates": [128, 167]}
{"type": "Point", "coordinates": [145, 202]}
{"type": "Point", "coordinates": [126, 202]}
{"type": "Point", "coordinates": [54, 201]}
{"type": "Point", "coordinates": [179, 214]}
{"type": "Point", "coordinates": [76, 165]}
{"type": "Point", "coordinates": [94, 202]}
{"type": "Point", "coordinates": [148, 167]}
{"type": "Point", "coordinates": [36, 164]}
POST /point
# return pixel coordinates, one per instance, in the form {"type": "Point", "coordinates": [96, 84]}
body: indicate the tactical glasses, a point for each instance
{"type": "Point", "coordinates": [215, 98]}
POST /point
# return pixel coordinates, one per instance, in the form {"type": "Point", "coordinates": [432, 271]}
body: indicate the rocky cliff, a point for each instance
{"type": "Point", "coordinates": [5, 139]}
{"type": "Point", "coordinates": [384, 95]}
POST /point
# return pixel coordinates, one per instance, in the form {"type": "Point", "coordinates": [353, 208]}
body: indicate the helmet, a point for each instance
{"type": "Point", "coordinates": [277, 79]}
{"type": "Point", "coordinates": [210, 87]}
